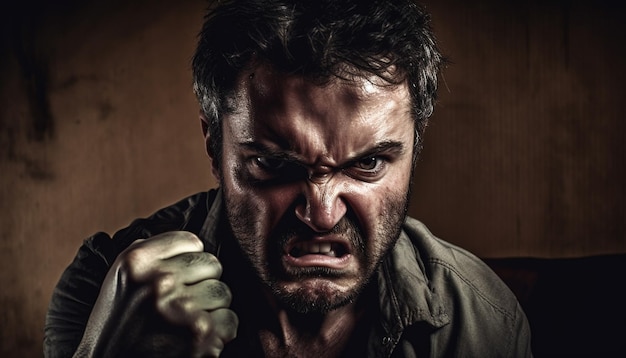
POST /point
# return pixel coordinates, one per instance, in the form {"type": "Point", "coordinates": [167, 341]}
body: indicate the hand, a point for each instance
{"type": "Point", "coordinates": [161, 297]}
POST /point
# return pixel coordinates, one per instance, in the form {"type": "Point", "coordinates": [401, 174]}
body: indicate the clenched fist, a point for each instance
{"type": "Point", "coordinates": [162, 297]}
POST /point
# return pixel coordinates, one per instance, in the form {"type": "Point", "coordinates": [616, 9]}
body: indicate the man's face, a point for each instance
{"type": "Point", "coordinates": [315, 181]}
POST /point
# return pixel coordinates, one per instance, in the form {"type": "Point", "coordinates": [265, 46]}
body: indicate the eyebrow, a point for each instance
{"type": "Point", "coordinates": [388, 146]}
{"type": "Point", "coordinates": [266, 151]}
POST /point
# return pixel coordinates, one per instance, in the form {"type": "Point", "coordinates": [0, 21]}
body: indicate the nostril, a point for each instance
{"type": "Point", "coordinates": [302, 212]}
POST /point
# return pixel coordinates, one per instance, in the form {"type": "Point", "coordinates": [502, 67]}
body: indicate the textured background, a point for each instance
{"type": "Point", "coordinates": [525, 155]}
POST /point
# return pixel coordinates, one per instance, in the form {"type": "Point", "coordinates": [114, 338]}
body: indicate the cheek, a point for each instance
{"type": "Point", "coordinates": [370, 201]}
{"type": "Point", "coordinates": [274, 204]}
{"type": "Point", "coordinates": [265, 206]}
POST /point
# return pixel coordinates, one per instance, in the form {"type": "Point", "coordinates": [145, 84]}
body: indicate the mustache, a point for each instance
{"type": "Point", "coordinates": [290, 227]}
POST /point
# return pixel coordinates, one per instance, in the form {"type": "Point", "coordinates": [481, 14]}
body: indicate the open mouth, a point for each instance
{"type": "Point", "coordinates": [330, 249]}
{"type": "Point", "coordinates": [318, 253]}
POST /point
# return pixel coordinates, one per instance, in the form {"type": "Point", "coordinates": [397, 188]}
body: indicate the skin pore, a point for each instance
{"type": "Point", "coordinates": [315, 181]}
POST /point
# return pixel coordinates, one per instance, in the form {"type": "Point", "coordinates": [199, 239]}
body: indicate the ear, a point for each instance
{"type": "Point", "coordinates": [204, 122]}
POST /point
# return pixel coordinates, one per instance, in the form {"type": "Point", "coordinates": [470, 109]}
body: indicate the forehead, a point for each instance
{"type": "Point", "coordinates": [265, 84]}
{"type": "Point", "coordinates": [295, 113]}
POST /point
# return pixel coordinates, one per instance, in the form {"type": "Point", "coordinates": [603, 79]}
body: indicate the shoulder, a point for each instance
{"type": "Point", "coordinates": [187, 214]}
{"type": "Point", "coordinates": [481, 308]}
{"type": "Point", "coordinates": [445, 261]}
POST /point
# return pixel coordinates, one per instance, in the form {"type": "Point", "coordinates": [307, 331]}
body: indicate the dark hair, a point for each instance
{"type": "Point", "coordinates": [319, 39]}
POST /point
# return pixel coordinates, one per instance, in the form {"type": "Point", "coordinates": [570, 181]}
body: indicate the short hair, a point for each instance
{"type": "Point", "coordinates": [318, 39]}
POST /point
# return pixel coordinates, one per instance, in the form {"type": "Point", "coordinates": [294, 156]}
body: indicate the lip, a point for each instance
{"type": "Point", "coordinates": [313, 259]}
{"type": "Point", "coordinates": [317, 260]}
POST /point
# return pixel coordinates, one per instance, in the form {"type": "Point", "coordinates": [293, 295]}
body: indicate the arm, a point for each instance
{"type": "Point", "coordinates": [520, 346]}
{"type": "Point", "coordinates": [161, 295]}
{"type": "Point", "coordinates": [74, 296]}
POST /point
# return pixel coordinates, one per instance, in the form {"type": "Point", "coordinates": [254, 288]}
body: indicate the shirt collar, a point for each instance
{"type": "Point", "coordinates": [208, 231]}
{"type": "Point", "coordinates": [406, 296]}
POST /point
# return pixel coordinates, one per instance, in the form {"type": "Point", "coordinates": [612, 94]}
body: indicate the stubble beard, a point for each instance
{"type": "Point", "coordinates": [264, 255]}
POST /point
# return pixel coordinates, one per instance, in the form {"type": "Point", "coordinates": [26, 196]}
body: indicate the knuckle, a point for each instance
{"type": "Point", "coordinates": [164, 284]}
{"type": "Point", "coordinates": [214, 263]}
{"type": "Point", "coordinates": [183, 305]}
{"type": "Point", "coordinates": [192, 238]}
{"type": "Point", "coordinates": [132, 263]}
{"type": "Point", "coordinates": [201, 327]}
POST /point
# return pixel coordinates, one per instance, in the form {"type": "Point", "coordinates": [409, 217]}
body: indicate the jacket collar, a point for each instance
{"type": "Point", "coordinates": [406, 296]}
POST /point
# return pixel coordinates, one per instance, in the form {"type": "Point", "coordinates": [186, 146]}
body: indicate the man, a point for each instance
{"type": "Point", "coordinates": [313, 114]}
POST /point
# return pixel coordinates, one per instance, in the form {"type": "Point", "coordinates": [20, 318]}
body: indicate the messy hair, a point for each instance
{"type": "Point", "coordinates": [317, 39]}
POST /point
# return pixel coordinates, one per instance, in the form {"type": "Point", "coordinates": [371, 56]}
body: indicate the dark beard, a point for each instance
{"type": "Point", "coordinates": [266, 260]}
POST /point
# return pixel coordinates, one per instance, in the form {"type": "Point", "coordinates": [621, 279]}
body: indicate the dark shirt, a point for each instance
{"type": "Point", "coordinates": [434, 299]}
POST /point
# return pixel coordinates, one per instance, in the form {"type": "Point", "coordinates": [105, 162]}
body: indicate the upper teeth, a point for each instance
{"type": "Point", "coordinates": [309, 247]}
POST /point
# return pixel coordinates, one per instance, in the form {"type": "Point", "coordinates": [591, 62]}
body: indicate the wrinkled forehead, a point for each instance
{"type": "Point", "coordinates": [268, 88]}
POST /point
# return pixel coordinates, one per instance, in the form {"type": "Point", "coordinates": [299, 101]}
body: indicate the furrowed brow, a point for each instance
{"type": "Point", "coordinates": [392, 148]}
{"type": "Point", "coordinates": [387, 147]}
{"type": "Point", "coordinates": [263, 150]}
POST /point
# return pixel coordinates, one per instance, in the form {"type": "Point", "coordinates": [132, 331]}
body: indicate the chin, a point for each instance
{"type": "Point", "coordinates": [315, 297]}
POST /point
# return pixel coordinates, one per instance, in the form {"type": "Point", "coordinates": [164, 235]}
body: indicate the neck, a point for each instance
{"type": "Point", "coordinates": [290, 333]}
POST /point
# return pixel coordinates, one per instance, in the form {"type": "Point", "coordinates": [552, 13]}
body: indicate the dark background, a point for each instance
{"type": "Point", "coordinates": [524, 157]}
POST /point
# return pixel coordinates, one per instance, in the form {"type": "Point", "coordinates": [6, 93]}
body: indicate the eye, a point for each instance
{"type": "Point", "coordinates": [367, 168]}
{"type": "Point", "coordinates": [271, 170]}
{"type": "Point", "coordinates": [368, 163]}
{"type": "Point", "coordinates": [270, 163]}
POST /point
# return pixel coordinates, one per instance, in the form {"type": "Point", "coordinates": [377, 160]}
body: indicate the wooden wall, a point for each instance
{"type": "Point", "coordinates": [98, 125]}
{"type": "Point", "coordinates": [525, 155]}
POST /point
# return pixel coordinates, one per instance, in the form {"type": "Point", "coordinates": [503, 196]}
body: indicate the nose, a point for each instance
{"type": "Point", "coordinates": [324, 206]}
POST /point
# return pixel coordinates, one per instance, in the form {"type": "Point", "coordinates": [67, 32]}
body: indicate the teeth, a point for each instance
{"type": "Point", "coordinates": [304, 248]}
